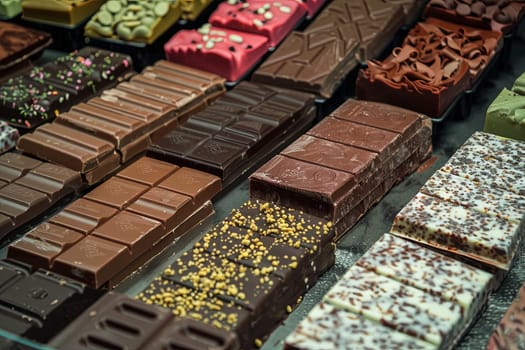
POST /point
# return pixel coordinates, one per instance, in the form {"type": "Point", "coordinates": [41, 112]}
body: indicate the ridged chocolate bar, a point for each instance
{"type": "Point", "coordinates": [238, 130]}
{"type": "Point", "coordinates": [119, 222]}
{"type": "Point", "coordinates": [247, 273]}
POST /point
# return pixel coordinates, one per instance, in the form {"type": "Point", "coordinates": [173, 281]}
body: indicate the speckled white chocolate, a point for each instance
{"type": "Point", "coordinates": [329, 328]}
{"type": "Point", "coordinates": [452, 227]}
{"type": "Point", "coordinates": [429, 271]}
{"type": "Point", "coordinates": [404, 308]}
{"type": "Point", "coordinates": [478, 196]}
{"type": "Point", "coordinates": [486, 169]}
{"type": "Point", "coordinates": [507, 150]}
{"type": "Point", "coordinates": [8, 137]}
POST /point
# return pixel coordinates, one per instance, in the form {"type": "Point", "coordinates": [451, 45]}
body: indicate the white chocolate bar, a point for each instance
{"type": "Point", "coordinates": [507, 150]}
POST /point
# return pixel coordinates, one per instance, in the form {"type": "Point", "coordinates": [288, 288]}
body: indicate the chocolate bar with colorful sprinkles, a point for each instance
{"type": "Point", "coordinates": [267, 258]}
{"type": "Point", "coordinates": [38, 96]}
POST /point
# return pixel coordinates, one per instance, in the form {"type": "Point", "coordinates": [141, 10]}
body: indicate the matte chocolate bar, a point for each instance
{"type": "Point", "coordinates": [38, 96]}
{"type": "Point", "coordinates": [500, 15]}
{"type": "Point", "coordinates": [239, 129]}
{"type": "Point", "coordinates": [65, 12]}
{"type": "Point", "coordinates": [122, 220]}
{"type": "Point", "coordinates": [39, 305]}
{"type": "Point", "coordinates": [29, 187]}
{"type": "Point", "coordinates": [118, 321]}
{"type": "Point", "coordinates": [248, 272]}
{"type": "Point", "coordinates": [18, 43]}
{"type": "Point", "coordinates": [272, 20]}
{"type": "Point", "coordinates": [329, 171]}
{"type": "Point", "coordinates": [509, 332]}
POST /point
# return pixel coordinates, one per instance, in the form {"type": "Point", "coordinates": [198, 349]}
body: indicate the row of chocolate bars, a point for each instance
{"type": "Point", "coordinates": [232, 279]}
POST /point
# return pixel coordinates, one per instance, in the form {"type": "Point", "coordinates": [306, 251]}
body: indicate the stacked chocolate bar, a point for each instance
{"type": "Point", "coordinates": [399, 295]}
{"type": "Point", "coordinates": [474, 206]}
{"type": "Point", "coordinates": [96, 137]}
{"type": "Point", "coordinates": [249, 272]}
{"type": "Point", "coordinates": [346, 163]}
{"type": "Point", "coordinates": [114, 229]}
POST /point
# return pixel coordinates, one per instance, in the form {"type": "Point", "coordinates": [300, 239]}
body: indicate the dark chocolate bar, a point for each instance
{"type": "Point", "coordinates": [247, 273]}
{"type": "Point", "coordinates": [118, 321]}
{"type": "Point", "coordinates": [122, 220]}
{"type": "Point", "coordinates": [240, 128]}
{"type": "Point", "coordinates": [38, 96]}
{"type": "Point", "coordinates": [39, 305]}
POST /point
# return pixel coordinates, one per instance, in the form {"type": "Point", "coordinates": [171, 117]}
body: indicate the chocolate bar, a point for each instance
{"type": "Point", "coordinates": [37, 306]}
{"type": "Point", "coordinates": [504, 113]}
{"type": "Point", "coordinates": [121, 221]}
{"type": "Point", "coordinates": [318, 59]}
{"type": "Point", "coordinates": [500, 16]}
{"type": "Point", "coordinates": [191, 9]}
{"type": "Point", "coordinates": [38, 96]}
{"type": "Point", "coordinates": [234, 278]}
{"type": "Point", "coordinates": [10, 8]}
{"type": "Point", "coordinates": [64, 12]}
{"type": "Point", "coordinates": [239, 129]}
{"type": "Point", "coordinates": [137, 21]}
{"type": "Point", "coordinates": [509, 332]}
{"type": "Point", "coordinates": [29, 188]}
{"type": "Point", "coordinates": [272, 20]}
{"type": "Point", "coordinates": [309, 175]}
{"type": "Point", "coordinates": [225, 52]}
{"type": "Point", "coordinates": [120, 321]}
{"type": "Point", "coordinates": [411, 8]}
{"type": "Point", "coordinates": [8, 137]}
{"type": "Point", "coordinates": [493, 146]}
{"type": "Point", "coordinates": [398, 293]}
{"type": "Point", "coordinates": [18, 44]}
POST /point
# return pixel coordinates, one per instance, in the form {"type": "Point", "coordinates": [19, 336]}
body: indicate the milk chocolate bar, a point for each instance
{"type": "Point", "coordinates": [509, 332]}
{"type": "Point", "coordinates": [234, 277]}
{"type": "Point", "coordinates": [312, 174]}
{"type": "Point", "coordinates": [272, 20]}
{"type": "Point", "coordinates": [134, 21]}
{"type": "Point", "coordinates": [10, 8]}
{"type": "Point", "coordinates": [225, 52]}
{"type": "Point", "coordinates": [501, 16]}
{"type": "Point", "coordinates": [39, 305]}
{"type": "Point", "coordinates": [120, 221]}
{"type": "Point", "coordinates": [29, 187]}
{"type": "Point", "coordinates": [65, 12]}
{"type": "Point", "coordinates": [38, 96]}
{"type": "Point", "coordinates": [120, 321]}
{"type": "Point", "coordinates": [18, 43]}
{"type": "Point", "coordinates": [411, 8]}
{"type": "Point", "coordinates": [237, 130]}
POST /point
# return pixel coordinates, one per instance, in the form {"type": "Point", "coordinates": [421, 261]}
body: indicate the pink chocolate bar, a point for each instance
{"type": "Point", "coordinates": [225, 52]}
{"type": "Point", "coordinates": [274, 20]}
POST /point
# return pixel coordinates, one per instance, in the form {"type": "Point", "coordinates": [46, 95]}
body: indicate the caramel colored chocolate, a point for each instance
{"type": "Point", "coordinates": [126, 219]}
{"type": "Point", "coordinates": [18, 43]}
{"type": "Point", "coordinates": [65, 12]}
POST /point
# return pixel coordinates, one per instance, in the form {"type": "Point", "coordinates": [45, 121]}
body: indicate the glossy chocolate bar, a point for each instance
{"type": "Point", "coordinates": [38, 96]}
{"type": "Point", "coordinates": [247, 273]}
{"type": "Point", "coordinates": [339, 162]}
{"type": "Point", "coordinates": [29, 187]}
{"type": "Point", "coordinates": [121, 221]}
{"type": "Point", "coordinates": [63, 12]}
{"type": "Point", "coordinates": [118, 321]}
{"type": "Point", "coordinates": [500, 15]}
{"type": "Point", "coordinates": [241, 128]}
{"type": "Point", "coordinates": [18, 43]}
{"type": "Point", "coordinates": [39, 305]}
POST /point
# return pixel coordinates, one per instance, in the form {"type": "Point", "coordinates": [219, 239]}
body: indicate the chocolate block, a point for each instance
{"type": "Point", "coordinates": [500, 16]}
{"type": "Point", "coordinates": [14, 166]}
{"type": "Point", "coordinates": [191, 9]}
{"type": "Point", "coordinates": [236, 131]}
{"type": "Point", "coordinates": [123, 222]}
{"type": "Point", "coordinates": [36, 97]}
{"type": "Point", "coordinates": [509, 332]}
{"type": "Point", "coordinates": [65, 12]}
{"type": "Point", "coordinates": [316, 60]}
{"type": "Point", "coordinates": [330, 327]}
{"type": "Point", "coordinates": [504, 115]}
{"type": "Point", "coordinates": [10, 8]}
{"type": "Point", "coordinates": [225, 52]}
{"type": "Point", "coordinates": [19, 43]}
{"type": "Point", "coordinates": [275, 21]}
{"type": "Point", "coordinates": [153, 17]}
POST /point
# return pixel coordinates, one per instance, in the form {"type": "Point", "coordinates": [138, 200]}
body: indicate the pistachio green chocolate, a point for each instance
{"type": "Point", "coordinates": [519, 85]}
{"type": "Point", "coordinates": [506, 114]}
{"type": "Point", "coordinates": [10, 8]}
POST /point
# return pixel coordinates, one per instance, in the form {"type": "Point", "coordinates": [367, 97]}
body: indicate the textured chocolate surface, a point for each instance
{"type": "Point", "coordinates": [8, 137]}
{"type": "Point", "coordinates": [240, 128]}
{"type": "Point", "coordinates": [233, 278]}
{"type": "Point", "coordinates": [18, 43]}
{"type": "Point", "coordinates": [96, 237]}
{"type": "Point", "coordinates": [36, 97]}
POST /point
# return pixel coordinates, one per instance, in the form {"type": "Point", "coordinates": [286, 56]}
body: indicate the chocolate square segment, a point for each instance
{"type": "Point", "coordinates": [196, 184]}
{"type": "Point", "coordinates": [117, 192]}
